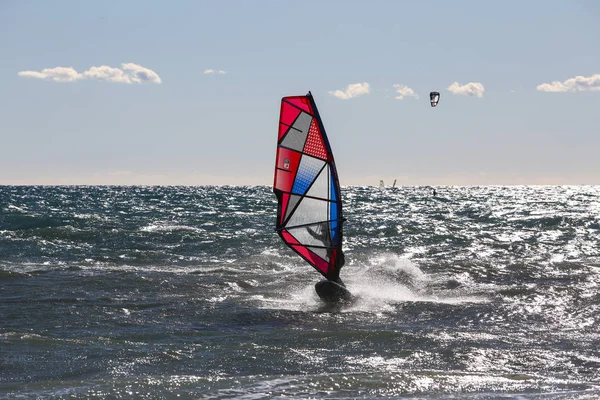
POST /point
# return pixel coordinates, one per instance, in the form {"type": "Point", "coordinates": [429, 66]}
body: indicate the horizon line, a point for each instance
{"type": "Point", "coordinates": [270, 186]}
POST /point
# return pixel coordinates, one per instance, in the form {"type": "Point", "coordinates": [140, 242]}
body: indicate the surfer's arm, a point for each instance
{"type": "Point", "coordinates": [322, 236]}
{"type": "Point", "coordinates": [314, 234]}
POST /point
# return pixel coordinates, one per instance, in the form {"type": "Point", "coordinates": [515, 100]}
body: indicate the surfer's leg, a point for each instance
{"type": "Point", "coordinates": [339, 281]}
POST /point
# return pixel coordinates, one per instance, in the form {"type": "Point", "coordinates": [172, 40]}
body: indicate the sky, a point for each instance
{"type": "Point", "coordinates": [188, 92]}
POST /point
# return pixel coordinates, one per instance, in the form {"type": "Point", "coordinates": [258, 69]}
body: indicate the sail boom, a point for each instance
{"type": "Point", "coordinates": [319, 198]}
{"type": "Point", "coordinates": [309, 224]}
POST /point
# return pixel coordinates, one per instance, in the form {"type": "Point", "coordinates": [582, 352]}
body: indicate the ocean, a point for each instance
{"type": "Point", "coordinates": [488, 292]}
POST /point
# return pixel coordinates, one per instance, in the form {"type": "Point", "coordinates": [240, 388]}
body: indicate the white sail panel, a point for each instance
{"type": "Point", "coordinates": [320, 186]}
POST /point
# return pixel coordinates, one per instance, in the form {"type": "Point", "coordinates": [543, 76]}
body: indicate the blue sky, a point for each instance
{"type": "Point", "coordinates": [138, 105]}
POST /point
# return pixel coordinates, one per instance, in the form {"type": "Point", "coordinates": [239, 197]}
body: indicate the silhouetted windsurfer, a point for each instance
{"type": "Point", "coordinates": [309, 199]}
{"type": "Point", "coordinates": [322, 235]}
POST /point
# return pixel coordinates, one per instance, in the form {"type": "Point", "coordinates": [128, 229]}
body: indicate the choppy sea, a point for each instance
{"type": "Point", "coordinates": [187, 292]}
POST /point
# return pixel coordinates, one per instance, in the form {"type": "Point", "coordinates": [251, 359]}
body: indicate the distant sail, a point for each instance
{"type": "Point", "coordinates": [394, 185]}
{"type": "Point", "coordinates": [309, 209]}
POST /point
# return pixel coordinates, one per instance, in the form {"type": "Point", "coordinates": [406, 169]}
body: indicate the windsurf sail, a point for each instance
{"type": "Point", "coordinates": [309, 202]}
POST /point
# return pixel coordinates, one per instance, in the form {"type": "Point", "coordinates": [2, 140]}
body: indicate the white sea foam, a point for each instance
{"type": "Point", "coordinates": [387, 281]}
{"type": "Point", "coordinates": [165, 227]}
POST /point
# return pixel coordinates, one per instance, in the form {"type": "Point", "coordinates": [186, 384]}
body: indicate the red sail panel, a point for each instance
{"type": "Point", "coordinates": [289, 114]}
{"type": "Point", "coordinates": [320, 264]}
{"type": "Point", "coordinates": [283, 128]}
{"type": "Point", "coordinates": [314, 142]}
{"type": "Point", "coordinates": [286, 166]}
{"type": "Point", "coordinates": [299, 101]}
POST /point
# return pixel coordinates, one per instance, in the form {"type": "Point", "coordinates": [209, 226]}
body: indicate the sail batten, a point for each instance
{"type": "Point", "coordinates": [305, 225]}
{"type": "Point", "coordinates": [309, 211]}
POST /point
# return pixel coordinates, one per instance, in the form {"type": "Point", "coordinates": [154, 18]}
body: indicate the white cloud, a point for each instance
{"type": "Point", "coordinates": [577, 84]}
{"type": "Point", "coordinates": [352, 90]}
{"type": "Point", "coordinates": [475, 89]}
{"type": "Point", "coordinates": [130, 73]}
{"type": "Point", "coordinates": [105, 73]}
{"type": "Point", "coordinates": [404, 91]}
{"type": "Point", "coordinates": [58, 74]}
{"type": "Point", "coordinates": [139, 74]}
{"type": "Point", "coordinates": [214, 71]}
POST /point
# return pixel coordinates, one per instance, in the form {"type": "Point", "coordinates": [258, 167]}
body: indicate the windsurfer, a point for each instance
{"type": "Point", "coordinates": [323, 236]}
